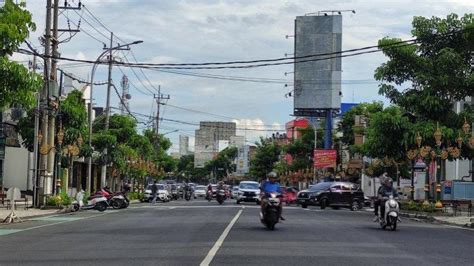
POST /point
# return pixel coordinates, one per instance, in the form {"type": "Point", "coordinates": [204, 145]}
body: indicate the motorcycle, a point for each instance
{"type": "Point", "coordinates": [270, 217]}
{"type": "Point", "coordinates": [188, 194]}
{"type": "Point", "coordinates": [221, 196]}
{"type": "Point", "coordinates": [174, 194]}
{"type": "Point", "coordinates": [209, 195]}
{"type": "Point", "coordinates": [97, 202]}
{"type": "Point", "coordinates": [116, 200]}
{"type": "Point", "coordinates": [392, 216]}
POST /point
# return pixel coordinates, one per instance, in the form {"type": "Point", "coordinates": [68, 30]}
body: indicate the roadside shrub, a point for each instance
{"type": "Point", "coordinates": [135, 196]}
{"type": "Point", "coordinates": [60, 200]}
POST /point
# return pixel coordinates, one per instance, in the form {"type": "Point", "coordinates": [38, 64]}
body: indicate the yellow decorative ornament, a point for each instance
{"type": "Point", "coordinates": [455, 152]}
{"type": "Point", "coordinates": [411, 154]}
{"type": "Point", "coordinates": [44, 149]}
{"type": "Point", "coordinates": [438, 135]}
{"type": "Point", "coordinates": [425, 150]}
{"type": "Point", "coordinates": [376, 162]}
{"type": "Point", "coordinates": [444, 155]}
{"type": "Point", "coordinates": [387, 161]}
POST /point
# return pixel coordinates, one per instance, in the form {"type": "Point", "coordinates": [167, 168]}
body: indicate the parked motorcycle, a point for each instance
{"type": "Point", "coordinates": [392, 210]}
{"type": "Point", "coordinates": [116, 200]}
{"type": "Point", "coordinates": [270, 216]}
{"type": "Point", "coordinates": [97, 202]}
{"type": "Point", "coordinates": [221, 196]}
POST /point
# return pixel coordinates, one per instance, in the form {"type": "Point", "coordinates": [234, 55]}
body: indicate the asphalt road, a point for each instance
{"type": "Point", "coordinates": [198, 232]}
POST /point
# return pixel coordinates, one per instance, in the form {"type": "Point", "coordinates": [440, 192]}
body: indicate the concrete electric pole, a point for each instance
{"type": "Point", "coordinates": [158, 98]}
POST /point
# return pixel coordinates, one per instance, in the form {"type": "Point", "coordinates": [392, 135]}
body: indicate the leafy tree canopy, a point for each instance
{"type": "Point", "coordinates": [436, 70]}
{"type": "Point", "coordinates": [266, 155]}
{"type": "Point", "coordinates": [17, 84]}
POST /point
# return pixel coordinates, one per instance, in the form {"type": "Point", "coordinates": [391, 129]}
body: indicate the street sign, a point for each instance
{"type": "Point", "coordinates": [325, 158]}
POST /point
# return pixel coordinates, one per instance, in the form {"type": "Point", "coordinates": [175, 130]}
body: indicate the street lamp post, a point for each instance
{"type": "Point", "coordinates": [94, 67]}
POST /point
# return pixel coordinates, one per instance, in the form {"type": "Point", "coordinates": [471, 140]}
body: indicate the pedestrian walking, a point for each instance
{"type": "Point", "coordinates": [154, 193]}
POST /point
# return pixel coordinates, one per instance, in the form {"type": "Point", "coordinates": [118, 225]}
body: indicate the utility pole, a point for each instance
{"type": "Point", "coordinates": [45, 100]}
{"type": "Point", "coordinates": [103, 170]}
{"type": "Point", "coordinates": [158, 98]}
{"type": "Point", "coordinates": [35, 143]}
{"type": "Point", "coordinates": [51, 93]}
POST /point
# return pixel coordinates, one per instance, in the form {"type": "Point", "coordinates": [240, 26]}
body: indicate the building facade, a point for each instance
{"type": "Point", "coordinates": [207, 139]}
{"type": "Point", "coordinates": [183, 145]}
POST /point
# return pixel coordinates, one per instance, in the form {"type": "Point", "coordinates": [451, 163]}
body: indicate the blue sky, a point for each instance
{"type": "Point", "coordinates": [209, 31]}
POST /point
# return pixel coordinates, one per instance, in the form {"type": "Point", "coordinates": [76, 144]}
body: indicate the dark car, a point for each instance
{"type": "Point", "coordinates": [332, 194]}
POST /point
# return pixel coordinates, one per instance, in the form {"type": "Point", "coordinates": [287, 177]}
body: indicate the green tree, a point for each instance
{"type": "Point", "coordinates": [266, 156]}
{"type": "Point", "coordinates": [17, 84]}
{"type": "Point", "coordinates": [301, 150]}
{"type": "Point", "coordinates": [436, 70]}
{"type": "Point", "coordinates": [223, 164]}
{"type": "Point", "coordinates": [73, 116]}
{"type": "Point", "coordinates": [346, 126]}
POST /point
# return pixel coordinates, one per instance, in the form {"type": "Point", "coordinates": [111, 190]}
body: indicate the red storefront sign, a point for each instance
{"type": "Point", "coordinates": [325, 158]}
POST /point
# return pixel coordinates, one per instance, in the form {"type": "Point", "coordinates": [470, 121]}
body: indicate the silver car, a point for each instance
{"type": "Point", "coordinates": [200, 191]}
{"type": "Point", "coordinates": [235, 192]}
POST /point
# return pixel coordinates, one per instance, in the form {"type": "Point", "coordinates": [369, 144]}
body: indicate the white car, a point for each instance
{"type": "Point", "coordinates": [200, 191]}
{"type": "Point", "coordinates": [249, 191]}
{"type": "Point", "coordinates": [235, 192]}
{"type": "Point", "coordinates": [162, 192]}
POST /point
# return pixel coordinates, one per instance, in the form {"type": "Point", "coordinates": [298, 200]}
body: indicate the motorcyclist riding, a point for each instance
{"type": "Point", "coordinates": [220, 185]}
{"type": "Point", "coordinates": [271, 186]}
{"type": "Point", "coordinates": [385, 191]}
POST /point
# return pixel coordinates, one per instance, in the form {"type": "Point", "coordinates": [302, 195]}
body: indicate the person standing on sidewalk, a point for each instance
{"type": "Point", "coordinates": [154, 192]}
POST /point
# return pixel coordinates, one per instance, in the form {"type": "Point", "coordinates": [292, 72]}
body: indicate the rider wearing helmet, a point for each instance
{"type": "Point", "coordinates": [271, 186]}
{"type": "Point", "coordinates": [220, 185]}
{"type": "Point", "coordinates": [385, 191]}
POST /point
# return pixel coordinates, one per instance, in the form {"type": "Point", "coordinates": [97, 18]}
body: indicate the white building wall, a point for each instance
{"type": "Point", "coordinates": [456, 170]}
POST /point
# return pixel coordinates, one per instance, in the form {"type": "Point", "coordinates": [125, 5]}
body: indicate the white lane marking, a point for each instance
{"type": "Point", "coordinates": [207, 260]}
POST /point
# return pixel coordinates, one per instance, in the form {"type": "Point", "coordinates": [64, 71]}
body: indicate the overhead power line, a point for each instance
{"type": "Point", "coordinates": [259, 63]}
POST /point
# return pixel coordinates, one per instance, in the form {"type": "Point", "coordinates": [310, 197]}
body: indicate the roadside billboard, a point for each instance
{"type": "Point", "coordinates": [325, 159]}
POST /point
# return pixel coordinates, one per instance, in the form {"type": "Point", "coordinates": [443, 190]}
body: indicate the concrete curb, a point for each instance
{"type": "Point", "coordinates": [432, 219]}
{"type": "Point", "coordinates": [29, 217]}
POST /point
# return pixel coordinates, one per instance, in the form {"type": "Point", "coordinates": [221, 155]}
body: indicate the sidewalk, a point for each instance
{"type": "Point", "coordinates": [22, 213]}
{"type": "Point", "coordinates": [456, 220]}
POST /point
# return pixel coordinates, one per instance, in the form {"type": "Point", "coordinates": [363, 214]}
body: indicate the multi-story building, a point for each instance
{"type": "Point", "coordinates": [183, 145]}
{"type": "Point", "coordinates": [208, 135]}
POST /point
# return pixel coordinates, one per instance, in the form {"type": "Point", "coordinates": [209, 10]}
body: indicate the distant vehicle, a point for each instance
{"type": "Point", "coordinates": [235, 192]}
{"type": "Point", "coordinates": [332, 194]}
{"type": "Point", "coordinates": [162, 193]}
{"type": "Point", "coordinates": [200, 191]}
{"type": "Point", "coordinates": [289, 195]}
{"type": "Point", "coordinates": [249, 191]}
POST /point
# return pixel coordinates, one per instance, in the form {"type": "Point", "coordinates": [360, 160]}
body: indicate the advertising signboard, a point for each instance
{"type": "Point", "coordinates": [325, 158]}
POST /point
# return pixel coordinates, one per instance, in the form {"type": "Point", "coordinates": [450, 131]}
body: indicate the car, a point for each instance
{"type": "Point", "coordinates": [249, 191]}
{"type": "Point", "coordinates": [332, 194]}
{"type": "Point", "coordinates": [200, 191]}
{"type": "Point", "coordinates": [235, 192]}
{"type": "Point", "coordinates": [163, 193]}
